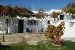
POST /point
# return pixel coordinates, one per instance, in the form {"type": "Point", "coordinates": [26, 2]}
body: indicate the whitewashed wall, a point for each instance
{"type": "Point", "coordinates": [42, 23]}
{"type": "Point", "coordinates": [13, 25]}
{"type": "Point", "coordinates": [2, 25]}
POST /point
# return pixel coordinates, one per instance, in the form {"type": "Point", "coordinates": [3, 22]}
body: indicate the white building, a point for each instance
{"type": "Point", "coordinates": [23, 25]}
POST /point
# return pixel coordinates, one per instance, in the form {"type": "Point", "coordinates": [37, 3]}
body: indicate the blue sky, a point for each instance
{"type": "Point", "coordinates": [37, 4]}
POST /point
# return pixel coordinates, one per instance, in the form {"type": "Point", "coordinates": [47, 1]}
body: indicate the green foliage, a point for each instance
{"type": "Point", "coordinates": [15, 11]}
{"type": "Point", "coordinates": [1, 9]}
{"type": "Point", "coordinates": [40, 13]}
{"type": "Point", "coordinates": [70, 8]}
{"type": "Point", "coordinates": [54, 31]}
{"type": "Point", "coordinates": [54, 15]}
{"type": "Point", "coordinates": [50, 46]}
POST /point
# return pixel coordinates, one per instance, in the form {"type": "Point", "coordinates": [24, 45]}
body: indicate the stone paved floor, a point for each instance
{"type": "Point", "coordinates": [37, 42]}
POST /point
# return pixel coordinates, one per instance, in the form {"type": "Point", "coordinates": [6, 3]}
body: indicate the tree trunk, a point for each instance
{"type": "Point", "coordinates": [54, 19]}
{"type": "Point", "coordinates": [3, 39]}
{"type": "Point", "coordinates": [6, 26]}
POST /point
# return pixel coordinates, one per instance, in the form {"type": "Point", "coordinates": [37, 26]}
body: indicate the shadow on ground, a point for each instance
{"type": "Point", "coordinates": [3, 47]}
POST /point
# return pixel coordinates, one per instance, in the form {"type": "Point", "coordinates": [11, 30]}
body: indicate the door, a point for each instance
{"type": "Point", "coordinates": [20, 26]}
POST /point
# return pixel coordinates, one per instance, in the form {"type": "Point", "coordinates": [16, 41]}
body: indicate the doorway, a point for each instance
{"type": "Point", "coordinates": [20, 26]}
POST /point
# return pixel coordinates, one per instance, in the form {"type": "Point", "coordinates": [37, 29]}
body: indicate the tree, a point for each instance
{"type": "Point", "coordinates": [15, 11]}
{"type": "Point", "coordinates": [40, 13]}
{"type": "Point", "coordinates": [55, 14]}
{"type": "Point", "coordinates": [52, 31]}
{"type": "Point", "coordinates": [7, 13]}
{"type": "Point", "coordinates": [70, 8]}
{"type": "Point", "coordinates": [7, 10]}
{"type": "Point", "coordinates": [24, 12]}
{"type": "Point", "coordinates": [1, 10]}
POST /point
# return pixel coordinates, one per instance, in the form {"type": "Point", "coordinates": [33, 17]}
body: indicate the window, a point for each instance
{"type": "Point", "coordinates": [32, 22]}
{"type": "Point", "coordinates": [61, 17]}
{"type": "Point", "coordinates": [48, 21]}
{"type": "Point", "coordinates": [73, 17]}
